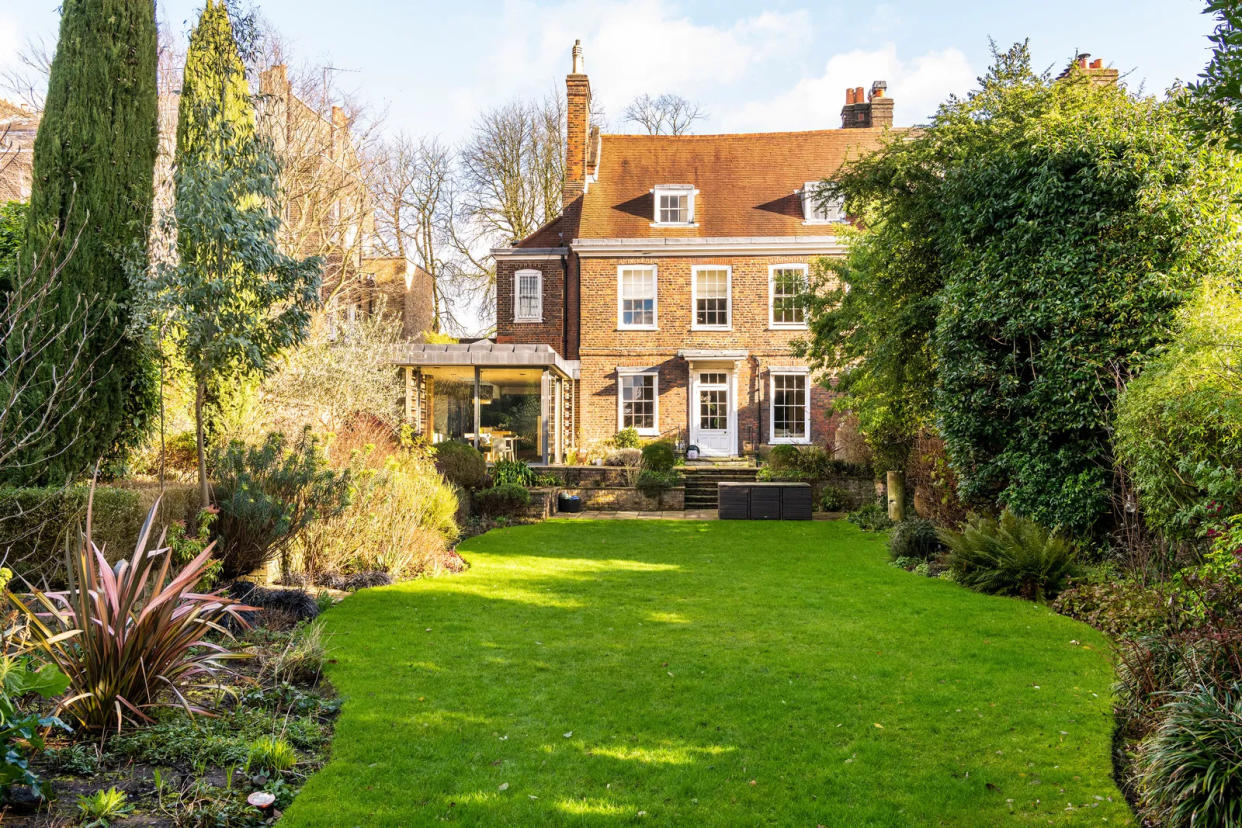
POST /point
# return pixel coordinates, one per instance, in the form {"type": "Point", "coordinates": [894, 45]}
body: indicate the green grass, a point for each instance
{"type": "Point", "coordinates": [684, 673]}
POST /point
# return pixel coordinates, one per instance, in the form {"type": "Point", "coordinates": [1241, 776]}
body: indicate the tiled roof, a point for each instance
{"type": "Point", "coordinates": [746, 182]}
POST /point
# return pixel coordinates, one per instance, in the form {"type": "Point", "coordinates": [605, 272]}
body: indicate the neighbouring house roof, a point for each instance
{"type": "Point", "coordinates": [485, 353]}
{"type": "Point", "coordinates": [747, 183]}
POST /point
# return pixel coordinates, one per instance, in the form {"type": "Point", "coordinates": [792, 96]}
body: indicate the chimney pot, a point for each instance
{"type": "Point", "coordinates": [849, 96]}
{"type": "Point", "coordinates": [577, 53]}
{"type": "Point", "coordinates": [1098, 63]}
{"type": "Point", "coordinates": [878, 88]}
{"type": "Point", "coordinates": [859, 94]}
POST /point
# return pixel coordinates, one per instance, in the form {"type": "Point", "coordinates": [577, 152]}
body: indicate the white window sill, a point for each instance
{"type": "Point", "coordinates": [790, 441]}
{"type": "Point", "coordinates": [637, 328]}
{"type": "Point", "coordinates": [787, 326]}
{"type": "Point", "coordinates": [822, 222]}
{"type": "Point", "coordinates": [674, 224]}
{"type": "Point", "coordinates": [528, 320]}
{"type": "Point", "coordinates": [647, 432]}
{"type": "Point", "coordinates": [723, 328]}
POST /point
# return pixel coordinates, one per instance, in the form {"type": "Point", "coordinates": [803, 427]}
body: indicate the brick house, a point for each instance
{"type": "Point", "coordinates": [661, 299]}
{"type": "Point", "coordinates": [18, 127]}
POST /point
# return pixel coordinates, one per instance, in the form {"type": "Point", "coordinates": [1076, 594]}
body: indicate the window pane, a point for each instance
{"type": "Point", "coordinates": [673, 208]}
{"type": "Point", "coordinates": [528, 296]}
{"type": "Point", "coordinates": [712, 379]}
{"type": "Point", "coordinates": [711, 297]}
{"type": "Point", "coordinates": [789, 406]}
{"type": "Point", "coordinates": [637, 296]}
{"type": "Point", "coordinates": [787, 284]}
{"type": "Point", "coordinates": [713, 409]}
{"type": "Point", "coordinates": [638, 401]}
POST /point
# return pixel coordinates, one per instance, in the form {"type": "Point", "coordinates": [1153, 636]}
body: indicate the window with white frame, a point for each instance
{"type": "Point", "coordinates": [790, 407]}
{"type": "Point", "coordinates": [712, 297]}
{"type": "Point", "coordinates": [674, 204]}
{"type": "Point", "coordinates": [636, 297]}
{"type": "Point", "coordinates": [638, 401]}
{"type": "Point", "coordinates": [528, 296]}
{"type": "Point", "coordinates": [786, 284]}
{"type": "Point", "coordinates": [819, 210]}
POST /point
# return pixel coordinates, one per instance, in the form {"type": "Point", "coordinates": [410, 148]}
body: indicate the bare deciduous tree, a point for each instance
{"type": "Point", "coordinates": [27, 80]}
{"type": "Point", "coordinates": [665, 114]}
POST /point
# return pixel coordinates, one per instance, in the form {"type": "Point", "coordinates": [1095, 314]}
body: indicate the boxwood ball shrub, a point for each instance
{"type": "Point", "coordinates": [1011, 556]}
{"type": "Point", "coordinates": [626, 438]}
{"type": "Point", "coordinates": [659, 456]}
{"type": "Point", "coordinates": [504, 500]}
{"type": "Point", "coordinates": [783, 456]}
{"type": "Point", "coordinates": [915, 538]}
{"type": "Point", "coordinates": [461, 464]}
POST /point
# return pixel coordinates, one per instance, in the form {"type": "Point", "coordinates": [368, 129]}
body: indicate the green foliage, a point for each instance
{"type": "Point", "coordinates": [461, 464]}
{"type": "Point", "coordinates": [233, 301]}
{"type": "Point", "coordinates": [915, 538]}
{"type": "Point", "coordinates": [659, 456]}
{"type": "Point", "coordinates": [126, 638]}
{"type": "Point", "coordinates": [1022, 252]}
{"type": "Point", "coordinates": [12, 229]}
{"type": "Point", "coordinates": [89, 215]}
{"type": "Point", "coordinates": [834, 499]}
{"type": "Point", "coordinates": [655, 482]}
{"type": "Point", "coordinates": [269, 494]}
{"type": "Point", "coordinates": [1179, 423]}
{"type": "Point", "coordinates": [512, 471]}
{"type": "Point", "coordinates": [185, 545]}
{"type": "Point", "coordinates": [1011, 555]}
{"type": "Point", "coordinates": [401, 517]}
{"type": "Point", "coordinates": [1124, 607]}
{"type": "Point", "coordinates": [502, 500]}
{"type": "Point", "coordinates": [21, 732]}
{"type": "Point", "coordinates": [1217, 98]}
{"type": "Point", "coordinates": [1190, 770]}
{"type": "Point", "coordinates": [788, 474]}
{"type": "Point", "coordinates": [629, 458]}
{"type": "Point", "coordinates": [302, 659]}
{"type": "Point", "coordinates": [627, 438]}
{"type": "Point", "coordinates": [786, 462]}
{"type": "Point", "coordinates": [271, 753]}
{"type": "Point", "coordinates": [783, 456]}
{"type": "Point", "coordinates": [870, 517]}
{"type": "Point", "coordinates": [102, 807]}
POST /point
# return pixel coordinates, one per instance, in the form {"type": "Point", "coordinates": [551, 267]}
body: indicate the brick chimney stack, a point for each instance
{"type": "Point", "coordinates": [863, 110]}
{"type": "Point", "coordinates": [1092, 69]}
{"type": "Point", "coordinates": [578, 125]}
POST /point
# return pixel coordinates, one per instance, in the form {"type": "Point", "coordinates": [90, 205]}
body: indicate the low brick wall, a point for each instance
{"type": "Point", "coordinates": [593, 477]}
{"type": "Point", "coordinates": [860, 489]}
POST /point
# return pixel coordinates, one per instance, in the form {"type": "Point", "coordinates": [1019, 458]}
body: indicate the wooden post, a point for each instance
{"type": "Point", "coordinates": [896, 496]}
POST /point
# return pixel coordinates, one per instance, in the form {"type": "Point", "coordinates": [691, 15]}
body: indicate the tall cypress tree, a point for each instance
{"type": "Point", "coordinates": [89, 214]}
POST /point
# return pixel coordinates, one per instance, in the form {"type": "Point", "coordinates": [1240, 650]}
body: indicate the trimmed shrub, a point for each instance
{"type": "Point", "coordinates": [1010, 556]}
{"type": "Point", "coordinates": [915, 538]}
{"type": "Point", "coordinates": [653, 482]}
{"type": "Point", "coordinates": [873, 517]}
{"type": "Point", "coordinates": [507, 499]}
{"type": "Point", "coordinates": [783, 456]}
{"type": "Point", "coordinates": [627, 438]}
{"type": "Point", "coordinates": [658, 456]}
{"type": "Point", "coordinates": [834, 499]}
{"type": "Point", "coordinates": [769, 473]}
{"type": "Point", "coordinates": [1190, 769]}
{"type": "Point", "coordinates": [270, 494]}
{"type": "Point", "coordinates": [626, 457]}
{"type": "Point", "coordinates": [461, 464]}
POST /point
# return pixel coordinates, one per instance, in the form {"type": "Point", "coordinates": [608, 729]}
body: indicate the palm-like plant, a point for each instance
{"type": "Point", "coordinates": [1010, 556]}
{"type": "Point", "coordinates": [129, 637]}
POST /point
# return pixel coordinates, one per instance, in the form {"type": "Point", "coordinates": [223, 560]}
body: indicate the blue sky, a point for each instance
{"type": "Point", "coordinates": [775, 65]}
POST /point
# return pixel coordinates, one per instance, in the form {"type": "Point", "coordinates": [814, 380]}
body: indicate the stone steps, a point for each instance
{"type": "Point", "coordinates": [701, 488]}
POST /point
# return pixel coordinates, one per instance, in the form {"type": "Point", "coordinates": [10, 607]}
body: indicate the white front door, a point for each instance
{"type": "Point", "coordinates": [712, 417]}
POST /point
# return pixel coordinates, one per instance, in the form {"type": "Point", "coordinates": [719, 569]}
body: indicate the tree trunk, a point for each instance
{"type": "Point", "coordinates": [204, 492]}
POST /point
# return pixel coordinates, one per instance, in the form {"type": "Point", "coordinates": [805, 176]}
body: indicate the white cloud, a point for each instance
{"type": "Point", "coordinates": [917, 86]}
{"type": "Point", "coordinates": [640, 46]}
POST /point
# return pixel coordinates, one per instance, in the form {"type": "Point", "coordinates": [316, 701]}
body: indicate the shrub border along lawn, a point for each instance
{"type": "Point", "coordinates": [714, 674]}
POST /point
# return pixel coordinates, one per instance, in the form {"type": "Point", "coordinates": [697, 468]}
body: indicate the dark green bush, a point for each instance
{"type": "Point", "coordinates": [659, 456]}
{"type": "Point", "coordinates": [505, 499]}
{"type": "Point", "coordinates": [1010, 556]}
{"type": "Point", "coordinates": [461, 464]}
{"type": "Point", "coordinates": [1123, 607]}
{"type": "Point", "coordinates": [654, 483]}
{"type": "Point", "coordinates": [268, 494]}
{"type": "Point", "coordinates": [834, 499]}
{"type": "Point", "coordinates": [769, 473]}
{"type": "Point", "coordinates": [915, 538]}
{"type": "Point", "coordinates": [872, 517]}
{"type": "Point", "coordinates": [783, 456]}
{"type": "Point", "coordinates": [1190, 769]}
{"type": "Point", "coordinates": [512, 471]}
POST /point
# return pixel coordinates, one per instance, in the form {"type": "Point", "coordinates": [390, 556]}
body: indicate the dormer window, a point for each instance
{"type": "Point", "coordinates": [674, 205]}
{"type": "Point", "coordinates": [816, 210]}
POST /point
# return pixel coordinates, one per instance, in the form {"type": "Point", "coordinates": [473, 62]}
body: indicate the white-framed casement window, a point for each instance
{"type": "Point", "coordinates": [817, 211]}
{"type": "Point", "coordinates": [711, 289]}
{"type": "Point", "coordinates": [786, 284]}
{"type": "Point", "coordinates": [790, 406]}
{"type": "Point", "coordinates": [674, 205]}
{"type": "Point", "coordinates": [638, 400]}
{"type": "Point", "coordinates": [528, 296]}
{"type": "Point", "coordinates": [636, 297]}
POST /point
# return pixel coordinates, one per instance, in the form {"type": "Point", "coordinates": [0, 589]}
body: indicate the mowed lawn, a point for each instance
{"type": "Point", "coordinates": [694, 673]}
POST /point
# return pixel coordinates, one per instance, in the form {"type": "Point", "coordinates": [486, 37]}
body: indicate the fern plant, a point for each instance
{"type": "Point", "coordinates": [1010, 556]}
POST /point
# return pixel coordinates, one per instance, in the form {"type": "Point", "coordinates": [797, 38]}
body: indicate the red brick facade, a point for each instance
{"type": "Point", "coordinates": [748, 216]}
